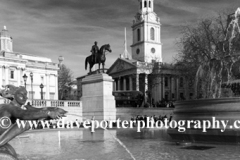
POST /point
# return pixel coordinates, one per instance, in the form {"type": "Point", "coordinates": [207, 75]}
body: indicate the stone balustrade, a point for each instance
{"type": "Point", "coordinates": [48, 103]}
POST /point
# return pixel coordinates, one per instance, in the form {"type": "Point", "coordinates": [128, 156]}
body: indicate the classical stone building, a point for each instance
{"type": "Point", "coordinates": [14, 65]}
{"type": "Point", "coordinates": [146, 72]}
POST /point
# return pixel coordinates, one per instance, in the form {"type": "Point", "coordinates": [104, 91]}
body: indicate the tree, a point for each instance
{"type": "Point", "coordinates": [201, 43]}
{"type": "Point", "coordinates": [65, 77]}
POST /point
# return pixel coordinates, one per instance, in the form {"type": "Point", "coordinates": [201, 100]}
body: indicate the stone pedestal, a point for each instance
{"type": "Point", "coordinates": [97, 98]}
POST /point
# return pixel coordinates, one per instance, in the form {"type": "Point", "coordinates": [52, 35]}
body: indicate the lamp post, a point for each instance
{"type": "Point", "coordinates": [31, 75]}
{"type": "Point", "coordinates": [25, 79]}
{"type": "Point", "coordinates": [41, 86]}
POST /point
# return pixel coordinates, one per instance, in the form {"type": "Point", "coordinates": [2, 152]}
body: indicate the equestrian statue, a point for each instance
{"type": "Point", "coordinates": [98, 56]}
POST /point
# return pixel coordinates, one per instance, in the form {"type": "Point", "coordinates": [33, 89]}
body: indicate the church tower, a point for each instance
{"type": "Point", "coordinates": [6, 43]}
{"type": "Point", "coordinates": [147, 46]}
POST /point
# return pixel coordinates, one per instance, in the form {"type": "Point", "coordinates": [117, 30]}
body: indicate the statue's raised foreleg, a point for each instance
{"type": "Point", "coordinates": [99, 64]}
{"type": "Point", "coordinates": [103, 67]}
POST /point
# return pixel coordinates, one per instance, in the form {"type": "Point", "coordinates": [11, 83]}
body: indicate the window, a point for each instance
{"type": "Point", "coordinates": [52, 95]}
{"type": "Point", "coordinates": [138, 34]}
{"type": "Point", "coordinates": [152, 33]}
{"type": "Point", "coordinates": [52, 80]}
{"type": "Point", "coordinates": [149, 4]}
{"type": "Point", "coordinates": [145, 4]}
{"type": "Point", "coordinates": [12, 74]}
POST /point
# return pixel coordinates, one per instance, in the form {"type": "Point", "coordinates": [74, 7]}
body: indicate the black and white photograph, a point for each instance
{"type": "Point", "coordinates": [119, 79]}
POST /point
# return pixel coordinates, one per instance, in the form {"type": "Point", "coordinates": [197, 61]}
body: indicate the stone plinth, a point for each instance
{"type": "Point", "coordinates": [97, 98]}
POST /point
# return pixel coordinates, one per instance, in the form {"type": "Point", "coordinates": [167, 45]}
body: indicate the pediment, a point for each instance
{"type": "Point", "coordinates": [121, 65]}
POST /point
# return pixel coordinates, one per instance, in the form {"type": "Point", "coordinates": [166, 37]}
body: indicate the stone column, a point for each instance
{"type": "Point", "coordinates": [6, 75]}
{"type": "Point", "coordinates": [114, 85]}
{"type": "Point", "coordinates": [47, 94]}
{"type": "Point", "coordinates": [146, 82]}
{"type": "Point", "coordinates": [130, 83]}
{"type": "Point", "coordinates": [19, 76]}
{"type": "Point", "coordinates": [56, 88]}
{"type": "Point", "coordinates": [119, 84]}
{"type": "Point", "coordinates": [124, 84]}
{"type": "Point", "coordinates": [159, 89]}
{"type": "Point", "coordinates": [137, 82]}
{"type": "Point", "coordinates": [170, 88]}
{"type": "Point", "coordinates": [177, 89]}
{"type": "Point", "coordinates": [173, 87]}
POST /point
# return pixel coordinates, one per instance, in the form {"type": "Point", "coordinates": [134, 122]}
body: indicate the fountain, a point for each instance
{"type": "Point", "coordinates": [216, 111]}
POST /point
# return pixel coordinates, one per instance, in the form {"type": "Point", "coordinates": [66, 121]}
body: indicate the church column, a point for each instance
{"type": "Point", "coordinates": [137, 82]}
{"type": "Point", "coordinates": [114, 85]}
{"type": "Point", "coordinates": [177, 89]}
{"type": "Point", "coordinates": [172, 88]}
{"type": "Point", "coordinates": [146, 82]}
{"type": "Point", "coordinates": [116, 79]}
{"type": "Point", "coordinates": [124, 84]}
{"type": "Point", "coordinates": [159, 89]}
{"type": "Point", "coordinates": [130, 83]}
{"type": "Point", "coordinates": [119, 82]}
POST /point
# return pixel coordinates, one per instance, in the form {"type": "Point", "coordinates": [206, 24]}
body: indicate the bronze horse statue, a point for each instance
{"type": "Point", "coordinates": [101, 58]}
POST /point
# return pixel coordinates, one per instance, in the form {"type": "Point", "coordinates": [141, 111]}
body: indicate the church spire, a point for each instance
{"type": "Point", "coordinates": [146, 6]}
{"type": "Point", "coordinates": [125, 53]}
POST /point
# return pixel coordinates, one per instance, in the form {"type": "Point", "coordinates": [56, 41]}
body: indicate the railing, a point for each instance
{"type": "Point", "coordinates": [48, 103]}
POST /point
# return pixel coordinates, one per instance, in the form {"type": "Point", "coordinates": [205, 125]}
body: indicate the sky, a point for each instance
{"type": "Point", "coordinates": [68, 28]}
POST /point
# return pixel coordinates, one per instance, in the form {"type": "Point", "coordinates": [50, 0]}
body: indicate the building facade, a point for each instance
{"type": "Point", "coordinates": [146, 72]}
{"type": "Point", "coordinates": [14, 65]}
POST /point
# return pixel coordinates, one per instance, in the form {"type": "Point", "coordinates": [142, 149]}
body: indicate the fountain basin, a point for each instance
{"type": "Point", "coordinates": [225, 109]}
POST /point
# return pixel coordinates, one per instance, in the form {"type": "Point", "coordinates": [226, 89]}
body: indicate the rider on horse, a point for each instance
{"type": "Point", "coordinates": [94, 51]}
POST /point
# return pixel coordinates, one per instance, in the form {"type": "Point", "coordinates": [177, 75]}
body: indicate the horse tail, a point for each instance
{"type": "Point", "coordinates": [86, 62]}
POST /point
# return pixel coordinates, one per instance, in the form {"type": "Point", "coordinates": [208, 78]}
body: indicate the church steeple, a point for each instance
{"type": "Point", "coordinates": [147, 46]}
{"type": "Point", "coordinates": [146, 6]}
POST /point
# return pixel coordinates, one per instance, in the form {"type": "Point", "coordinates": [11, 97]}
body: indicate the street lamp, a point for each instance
{"type": "Point", "coordinates": [41, 86]}
{"type": "Point", "coordinates": [31, 75]}
{"type": "Point", "coordinates": [25, 79]}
